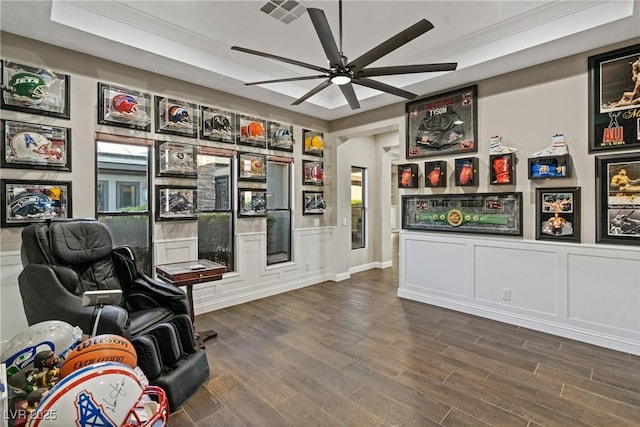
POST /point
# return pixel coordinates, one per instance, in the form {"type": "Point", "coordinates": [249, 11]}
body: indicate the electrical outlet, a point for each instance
{"type": "Point", "coordinates": [506, 294]}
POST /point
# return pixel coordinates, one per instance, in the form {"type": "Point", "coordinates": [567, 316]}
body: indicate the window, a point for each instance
{"type": "Point", "coordinates": [278, 212]}
{"type": "Point", "coordinates": [103, 196]}
{"type": "Point", "coordinates": [127, 195]}
{"type": "Point", "coordinates": [358, 207]}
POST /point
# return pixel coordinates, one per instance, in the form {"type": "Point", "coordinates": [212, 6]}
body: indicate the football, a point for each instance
{"type": "Point", "coordinates": [101, 348]}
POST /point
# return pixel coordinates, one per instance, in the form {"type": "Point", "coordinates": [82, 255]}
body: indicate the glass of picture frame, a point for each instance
{"type": "Point", "coordinates": [252, 202]}
{"type": "Point", "coordinates": [176, 202]}
{"type": "Point", "coordinates": [312, 172]}
{"type": "Point", "coordinates": [313, 142]}
{"type": "Point", "coordinates": [558, 214]}
{"type": "Point", "coordinates": [502, 169]}
{"type": "Point", "coordinates": [29, 201]}
{"type": "Point", "coordinates": [280, 136]}
{"type": "Point", "coordinates": [218, 125]}
{"type": "Point", "coordinates": [466, 172]}
{"type": "Point", "coordinates": [252, 167]}
{"type": "Point", "coordinates": [124, 107]}
{"type": "Point", "coordinates": [176, 159]}
{"type": "Point", "coordinates": [34, 146]}
{"type": "Point", "coordinates": [33, 89]}
{"type": "Point", "coordinates": [176, 117]}
{"type": "Point", "coordinates": [408, 175]}
{"type": "Point", "coordinates": [252, 131]}
{"type": "Point", "coordinates": [314, 202]}
{"type": "Point", "coordinates": [435, 174]}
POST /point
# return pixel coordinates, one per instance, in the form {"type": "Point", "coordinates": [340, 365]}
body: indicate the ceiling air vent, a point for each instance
{"type": "Point", "coordinates": [284, 10]}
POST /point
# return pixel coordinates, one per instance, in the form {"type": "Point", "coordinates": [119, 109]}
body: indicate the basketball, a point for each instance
{"type": "Point", "coordinates": [101, 348]}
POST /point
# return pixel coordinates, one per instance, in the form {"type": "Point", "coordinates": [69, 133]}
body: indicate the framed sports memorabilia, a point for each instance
{"type": "Point", "coordinates": [313, 172]}
{"type": "Point", "coordinates": [175, 202]}
{"type": "Point", "coordinates": [466, 172]}
{"type": "Point", "coordinates": [176, 159]}
{"type": "Point", "coordinates": [314, 203]}
{"type": "Point", "coordinates": [558, 214]}
{"type": "Point", "coordinates": [313, 142]}
{"type": "Point", "coordinates": [33, 146]}
{"type": "Point", "coordinates": [280, 136]}
{"type": "Point", "coordinates": [446, 123]}
{"type": "Point", "coordinates": [123, 107]}
{"type": "Point", "coordinates": [408, 176]}
{"type": "Point", "coordinates": [618, 199]}
{"type": "Point", "coordinates": [252, 167]}
{"type": "Point", "coordinates": [502, 169]}
{"type": "Point", "coordinates": [435, 174]}
{"type": "Point", "coordinates": [252, 202]}
{"type": "Point", "coordinates": [252, 131]}
{"type": "Point", "coordinates": [176, 117]}
{"type": "Point", "coordinates": [549, 167]}
{"type": "Point", "coordinates": [33, 89]}
{"type": "Point", "coordinates": [27, 201]}
{"type": "Point", "coordinates": [218, 125]}
{"type": "Point", "coordinates": [484, 213]}
{"type": "Point", "coordinates": [614, 100]}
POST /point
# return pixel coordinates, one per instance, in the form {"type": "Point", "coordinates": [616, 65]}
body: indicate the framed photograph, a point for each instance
{"type": "Point", "coordinates": [618, 199]}
{"type": "Point", "coordinates": [435, 174]}
{"type": "Point", "coordinates": [484, 213]}
{"type": "Point", "coordinates": [252, 131]}
{"type": "Point", "coordinates": [446, 123]}
{"type": "Point", "coordinates": [252, 167]}
{"type": "Point", "coordinates": [176, 159]}
{"type": "Point", "coordinates": [176, 117]}
{"type": "Point", "coordinates": [123, 107]}
{"type": "Point", "coordinates": [558, 214]}
{"type": "Point", "coordinates": [175, 202]}
{"type": "Point", "coordinates": [313, 172]}
{"type": "Point", "coordinates": [280, 136]}
{"type": "Point", "coordinates": [408, 175]}
{"type": "Point", "coordinates": [549, 167]}
{"type": "Point", "coordinates": [36, 90]}
{"type": "Point", "coordinates": [502, 169]}
{"type": "Point", "coordinates": [314, 203]}
{"type": "Point", "coordinates": [313, 142]}
{"type": "Point", "coordinates": [27, 201]}
{"type": "Point", "coordinates": [466, 172]}
{"type": "Point", "coordinates": [218, 125]}
{"type": "Point", "coordinates": [252, 202]}
{"type": "Point", "coordinates": [32, 146]}
{"type": "Point", "coordinates": [614, 100]}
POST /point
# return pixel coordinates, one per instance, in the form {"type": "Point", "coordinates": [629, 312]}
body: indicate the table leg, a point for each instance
{"type": "Point", "coordinates": [202, 336]}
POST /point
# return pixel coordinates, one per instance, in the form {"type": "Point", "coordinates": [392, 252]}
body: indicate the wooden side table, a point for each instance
{"type": "Point", "coordinates": [188, 274]}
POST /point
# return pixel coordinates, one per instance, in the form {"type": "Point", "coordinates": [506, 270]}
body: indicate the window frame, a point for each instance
{"type": "Point", "coordinates": [288, 162]}
{"type": "Point", "coordinates": [362, 208]}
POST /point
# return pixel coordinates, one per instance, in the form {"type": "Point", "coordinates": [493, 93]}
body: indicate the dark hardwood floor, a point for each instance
{"type": "Point", "coordinates": [354, 354]}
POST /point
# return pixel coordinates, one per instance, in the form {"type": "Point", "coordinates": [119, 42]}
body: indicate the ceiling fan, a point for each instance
{"type": "Point", "coordinates": [345, 74]}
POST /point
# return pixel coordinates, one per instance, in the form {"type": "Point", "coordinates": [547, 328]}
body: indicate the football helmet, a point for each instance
{"type": "Point", "coordinates": [218, 123]}
{"type": "Point", "coordinates": [34, 145]}
{"type": "Point", "coordinates": [124, 104]}
{"type": "Point", "coordinates": [176, 159]}
{"type": "Point", "coordinates": [283, 136]}
{"type": "Point", "coordinates": [178, 203]}
{"type": "Point", "coordinates": [178, 114]}
{"type": "Point", "coordinates": [258, 204]}
{"type": "Point", "coordinates": [252, 130]}
{"type": "Point", "coordinates": [31, 88]}
{"type": "Point", "coordinates": [32, 205]}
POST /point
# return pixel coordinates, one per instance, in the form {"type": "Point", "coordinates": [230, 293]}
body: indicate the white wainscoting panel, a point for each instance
{"type": "Point", "coordinates": [12, 318]}
{"type": "Point", "coordinates": [450, 278]}
{"type": "Point", "coordinates": [176, 250]}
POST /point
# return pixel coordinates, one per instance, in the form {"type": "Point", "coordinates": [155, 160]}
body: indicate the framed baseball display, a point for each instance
{"type": "Point", "coordinates": [614, 100]}
{"type": "Point", "coordinates": [35, 90]}
{"type": "Point", "coordinates": [252, 167]}
{"type": "Point", "coordinates": [218, 125]}
{"type": "Point", "coordinates": [176, 159]}
{"type": "Point", "coordinates": [175, 202]}
{"type": "Point", "coordinates": [435, 174]}
{"type": "Point", "coordinates": [252, 131]}
{"type": "Point", "coordinates": [618, 199]}
{"type": "Point", "coordinates": [27, 201]}
{"type": "Point", "coordinates": [313, 142]}
{"type": "Point", "coordinates": [280, 136]}
{"type": "Point", "coordinates": [252, 202]}
{"type": "Point", "coordinates": [313, 172]}
{"type": "Point", "coordinates": [314, 203]}
{"type": "Point", "coordinates": [128, 108]}
{"type": "Point", "coordinates": [176, 117]}
{"type": "Point", "coordinates": [32, 146]}
{"type": "Point", "coordinates": [558, 214]}
{"type": "Point", "coordinates": [443, 124]}
{"type": "Point", "coordinates": [484, 213]}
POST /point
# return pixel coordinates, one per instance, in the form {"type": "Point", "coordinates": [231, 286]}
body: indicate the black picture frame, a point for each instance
{"type": "Point", "coordinates": [549, 167]}
{"type": "Point", "coordinates": [280, 136]}
{"type": "Point", "coordinates": [218, 125]}
{"type": "Point", "coordinates": [313, 203]}
{"type": "Point", "coordinates": [252, 167]}
{"type": "Point", "coordinates": [176, 117]}
{"type": "Point", "coordinates": [435, 174]}
{"type": "Point", "coordinates": [312, 172]}
{"type": "Point", "coordinates": [252, 202]}
{"type": "Point", "coordinates": [618, 199]}
{"type": "Point", "coordinates": [614, 100]}
{"type": "Point", "coordinates": [446, 123]}
{"type": "Point", "coordinates": [176, 159]}
{"type": "Point", "coordinates": [408, 175]}
{"type": "Point", "coordinates": [29, 201]}
{"type": "Point", "coordinates": [35, 89]}
{"type": "Point", "coordinates": [176, 202]}
{"type": "Point", "coordinates": [313, 142]}
{"type": "Point", "coordinates": [35, 146]}
{"type": "Point", "coordinates": [502, 169]}
{"type": "Point", "coordinates": [466, 172]}
{"type": "Point", "coordinates": [252, 131]}
{"type": "Point", "coordinates": [123, 107]}
{"type": "Point", "coordinates": [558, 214]}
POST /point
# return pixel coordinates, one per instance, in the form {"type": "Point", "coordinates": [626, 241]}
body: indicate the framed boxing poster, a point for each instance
{"type": "Point", "coordinates": [32, 146]}
{"type": "Point", "coordinates": [618, 199]}
{"type": "Point", "coordinates": [483, 213]}
{"type": "Point", "coordinates": [313, 142]}
{"type": "Point", "coordinates": [175, 202]}
{"type": "Point", "coordinates": [176, 159]}
{"type": "Point", "coordinates": [218, 125]}
{"type": "Point", "coordinates": [314, 203]}
{"type": "Point", "coordinates": [252, 131]}
{"type": "Point", "coordinates": [614, 100]}
{"type": "Point", "coordinates": [558, 214]}
{"type": "Point", "coordinates": [280, 136]}
{"type": "Point", "coordinates": [176, 117]}
{"type": "Point", "coordinates": [446, 123]}
{"type": "Point", "coordinates": [123, 107]}
{"type": "Point", "coordinates": [252, 202]}
{"type": "Point", "coordinates": [252, 167]}
{"type": "Point", "coordinates": [312, 172]}
{"type": "Point", "coordinates": [26, 201]}
{"type": "Point", "coordinates": [34, 89]}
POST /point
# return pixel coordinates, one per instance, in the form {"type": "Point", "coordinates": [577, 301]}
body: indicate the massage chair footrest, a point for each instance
{"type": "Point", "coordinates": [185, 379]}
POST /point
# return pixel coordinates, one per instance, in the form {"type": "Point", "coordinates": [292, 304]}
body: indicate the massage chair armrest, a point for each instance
{"type": "Point", "coordinates": [164, 294]}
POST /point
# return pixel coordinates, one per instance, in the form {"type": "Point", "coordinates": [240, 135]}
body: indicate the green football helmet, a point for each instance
{"type": "Point", "coordinates": [31, 88]}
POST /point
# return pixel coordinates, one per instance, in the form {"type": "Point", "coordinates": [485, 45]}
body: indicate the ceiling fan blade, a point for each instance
{"type": "Point", "coordinates": [321, 25]}
{"type": "Point", "coordinates": [350, 95]}
{"type": "Point", "coordinates": [391, 44]}
{"type": "Point", "coordinates": [373, 84]}
{"type": "Point", "coordinates": [407, 69]}
{"type": "Point", "coordinates": [280, 58]}
{"type": "Point", "coordinates": [290, 79]}
{"type": "Point", "coordinates": [312, 92]}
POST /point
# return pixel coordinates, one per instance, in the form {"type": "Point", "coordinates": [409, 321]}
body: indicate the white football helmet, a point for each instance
{"type": "Point", "coordinates": [34, 145]}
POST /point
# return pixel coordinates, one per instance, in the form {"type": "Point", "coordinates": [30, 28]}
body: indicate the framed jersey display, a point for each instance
{"type": "Point", "coordinates": [33, 89]}
{"type": "Point", "coordinates": [176, 159]}
{"type": "Point", "coordinates": [280, 137]}
{"type": "Point", "coordinates": [252, 131]}
{"type": "Point", "coordinates": [218, 125]}
{"type": "Point", "coordinates": [33, 146]}
{"type": "Point", "coordinates": [26, 201]}
{"type": "Point", "coordinates": [175, 202]}
{"type": "Point", "coordinates": [176, 117]}
{"type": "Point", "coordinates": [558, 214]}
{"type": "Point", "coordinates": [122, 107]}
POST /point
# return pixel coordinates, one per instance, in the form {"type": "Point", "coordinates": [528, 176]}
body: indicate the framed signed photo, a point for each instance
{"type": "Point", "coordinates": [252, 202]}
{"type": "Point", "coordinates": [558, 214]}
{"type": "Point", "coordinates": [176, 117]}
{"type": "Point", "coordinates": [176, 159]}
{"type": "Point", "coordinates": [614, 100]}
{"type": "Point", "coordinates": [313, 172]}
{"type": "Point", "coordinates": [123, 107]}
{"type": "Point", "coordinates": [252, 131]}
{"type": "Point", "coordinates": [32, 146]}
{"type": "Point", "coordinates": [218, 125]}
{"type": "Point", "coordinates": [175, 202]}
{"type": "Point", "coordinates": [252, 167]}
{"type": "Point", "coordinates": [33, 89]}
{"type": "Point", "coordinates": [314, 203]}
{"type": "Point", "coordinates": [280, 136]}
{"type": "Point", "coordinates": [443, 124]}
{"type": "Point", "coordinates": [26, 201]}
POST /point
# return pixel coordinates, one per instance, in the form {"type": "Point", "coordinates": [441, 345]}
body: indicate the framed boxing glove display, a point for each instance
{"type": "Point", "coordinates": [123, 107]}
{"type": "Point", "coordinates": [435, 174]}
{"type": "Point", "coordinates": [558, 214]}
{"type": "Point", "coordinates": [176, 117]}
{"type": "Point", "coordinates": [502, 169]}
{"type": "Point", "coordinates": [218, 125]}
{"type": "Point", "coordinates": [27, 201]}
{"type": "Point", "coordinates": [33, 146]}
{"type": "Point", "coordinates": [252, 167]}
{"type": "Point", "coordinates": [408, 175]}
{"type": "Point", "coordinates": [466, 172]}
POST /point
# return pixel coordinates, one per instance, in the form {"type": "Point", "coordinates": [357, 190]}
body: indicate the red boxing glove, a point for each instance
{"type": "Point", "coordinates": [502, 168]}
{"type": "Point", "coordinates": [466, 174]}
{"type": "Point", "coordinates": [434, 176]}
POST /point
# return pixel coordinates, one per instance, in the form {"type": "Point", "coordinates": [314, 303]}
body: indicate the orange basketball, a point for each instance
{"type": "Point", "coordinates": [101, 348]}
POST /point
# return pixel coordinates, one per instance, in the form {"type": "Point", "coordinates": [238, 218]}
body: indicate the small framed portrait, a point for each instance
{"type": "Point", "coordinates": [218, 125]}
{"type": "Point", "coordinates": [252, 202]}
{"type": "Point", "coordinates": [314, 203]}
{"type": "Point", "coordinates": [27, 201]}
{"type": "Point", "coordinates": [35, 89]}
{"type": "Point", "coordinates": [32, 146]}
{"type": "Point", "coordinates": [176, 159]}
{"type": "Point", "coordinates": [280, 136]}
{"type": "Point", "coordinates": [502, 169]}
{"type": "Point", "coordinates": [252, 131]}
{"type": "Point", "coordinates": [558, 214]}
{"type": "Point", "coordinates": [313, 142]}
{"type": "Point", "coordinates": [313, 172]}
{"type": "Point", "coordinates": [408, 175]}
{"type": "Point", "coordinates": [252, 167]}
{"type": "Point", "coordinates": [176, 117]}
{"type": "Point", "coordinates": [123, 107]}
{"type": "Point", "coordinates": [435, 174]}
{"type": "Point", "coordinates": [466, 172]}
{"type": "Point", "coordinates": [175, 202]}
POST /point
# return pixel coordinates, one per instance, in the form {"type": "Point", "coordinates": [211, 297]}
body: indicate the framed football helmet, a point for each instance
{"type": "Point", "coordinates": [218, 125]}
{"type": "Point", "coordinates": [124, 107]}
{"type": "Point", "coordinates": [27, 201]}
{"type": "Point", "coordinates": [280, 136]}
{"type": "Point", "coordinates": [177, 117]}
{"type": "Point", "coordinates": [252, 131]}
{"type": "Point", "coordinates": [33, 146]}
